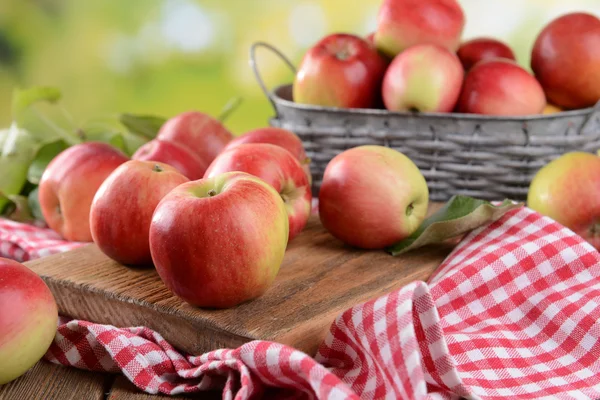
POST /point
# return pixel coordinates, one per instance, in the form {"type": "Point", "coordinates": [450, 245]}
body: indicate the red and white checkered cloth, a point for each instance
{"type": "Point", "coordinates": [513, 312]}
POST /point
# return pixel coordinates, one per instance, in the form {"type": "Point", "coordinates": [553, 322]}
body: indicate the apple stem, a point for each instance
{"type": "Point", "coordinates": [157, 168]}
{"type": "Point", "coordinates": [306, 161]}
{"type": "Point", "coordinates": [212, 192]}
{"type": "Point", "coordinates": [230, 107]}
{"type": "Point", "coordinates": [409, 209]}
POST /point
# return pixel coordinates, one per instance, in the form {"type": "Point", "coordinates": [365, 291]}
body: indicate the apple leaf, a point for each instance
{"type": "Point", "coordinates": [459, 215]}
{"type": "Point", "coordinates": [34, 205]}
{"type": "Point", "coordinates": [43, 156]}
{"type": "Point", "coordinates": [17, 150]}
{"type": "Point", "coordinates": [24, 98]}
{"type": "Point", "coordinates": [17, 209]}
{"type": "Point", "coordinates": [142, 125]}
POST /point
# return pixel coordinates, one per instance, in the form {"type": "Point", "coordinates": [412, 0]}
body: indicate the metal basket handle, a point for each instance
{"type": "Point", "coordinates": [254, 66]}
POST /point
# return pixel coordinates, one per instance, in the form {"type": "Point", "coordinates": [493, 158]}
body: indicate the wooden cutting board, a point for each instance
{"type": "Point", "coordinates": [320, 277]}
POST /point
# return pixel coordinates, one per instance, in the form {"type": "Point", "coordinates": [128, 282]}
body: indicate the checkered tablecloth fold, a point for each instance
{"type": "Point", "coordinates": [513, 312]}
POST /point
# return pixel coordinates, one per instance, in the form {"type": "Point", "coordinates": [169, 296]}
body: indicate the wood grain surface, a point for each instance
{"type": "Point", "coordinates": [319, 278]}
{"type": "Point", "coordinates": [46, 381]}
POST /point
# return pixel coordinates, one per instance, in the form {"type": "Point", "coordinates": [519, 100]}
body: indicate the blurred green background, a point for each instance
{"type": "Point", "coordinates": [164, 57]}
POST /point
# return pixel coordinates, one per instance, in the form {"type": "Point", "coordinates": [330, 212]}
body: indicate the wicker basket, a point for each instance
{"type": "Point", "coordinates": [486, 157]}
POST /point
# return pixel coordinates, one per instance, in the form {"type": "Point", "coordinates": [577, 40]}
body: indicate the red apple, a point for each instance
{"type": "Point", "coordinates": [567, 190]}
{"type": "Point", "coordinates": [218, 242]}
{"type": "Point", "coordinates": [28, 319]}
{"type": "Point", "coordinates": [69, 183]}
{"type": "Point", "coordinates": [372, 197]}
{"type": "Point", "coordinates": [341, 70]}
{"type": "Point", "coordinates": [198, 132]}
{"type": "Point", "coordinates": [566, 60]}
{"type": "Point", "coordinates": [405, 23]}
{"type": "Point", "coordinates": [371, 38]}
{"type": "Point", "coordinates": [278, 168]}
{"type": "Point", "coordinates": [475, 50]}
{"type": "Point", "coordinates": [186, 162]}
{"type": "Point", "coordinates": [279, 137]}
{"type": "Point", "coordinates": [425, 77]}
{"type": "Point", "coordinates": [501, 87]}
{"type": "Point", "coordinates": [123, 206]}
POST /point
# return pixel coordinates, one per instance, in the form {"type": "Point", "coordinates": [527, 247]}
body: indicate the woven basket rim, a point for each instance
{"type": "Point", "coordinates": [277, 98]}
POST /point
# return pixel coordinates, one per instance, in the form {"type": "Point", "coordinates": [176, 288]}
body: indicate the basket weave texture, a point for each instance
{"type": "Point", "coordinates": [490, 158]}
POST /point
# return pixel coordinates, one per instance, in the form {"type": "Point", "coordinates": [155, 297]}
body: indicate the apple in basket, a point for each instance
{"type": "Point", "coordinates": [198, 132]}
{"type": "Point", "coordinates": [277, 167]}
{"type": "Point", "coordinates": [475, 50]}
{"type": "Point", "coordinates": [28, 319]}
{"type": "Point", "coordinates": [218, 242]}
{"type": "Point", "coordinates": [372, 197]}
{"type": "Point", "coordinates": [424, 77]}
{"type": "Point", "coordinates": [501, 87]}
{"type": "Point", "coordinates": [405, 23]}
{"type": "Point", "coordinates": [341, 70]}
{"type": "Point", "coordinates": [566, 60]}
{"type": "Point", "coordinates": [123, 206]}
{"type": "Point", "coordinates": [279, 137]}
{"type": "Point", "coordinates": [567, 190]}
{"type": "Point", "coordinates": [178, 156]}
{"type": "Point", "coordinates": [69, 183]}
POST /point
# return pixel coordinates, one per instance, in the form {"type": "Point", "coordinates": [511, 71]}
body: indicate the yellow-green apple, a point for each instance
{"type": "Point", "coordinates": [341, 70]}
{"type": "Point", "coordinates": [567, 190]}
{"type": "Point", "coordinates": [372, 197]}
{"type": "Point", "coordinates": [199, 132]}
{"type": "Point", "coordinates": [218, 242]}
{"type": "Point", "coordinates": [405, 23]}
{"type": "Point", "coordinates": [171, 153]}
{"type": "Point", "coordinates": [28, 319]}
{"type": "Point", "coordinates": [425, 77]}
{"type": "Point", "coordinates": [475, 50]}
{"type": "Point", "coordinates": [123, 206]}
{"type": "Point", "coordinates": [566, 60]}
{"type": "Point", "coordinates": [279, 137]}
{"type": "Point", "coordinates": [551, 109]}
{"type": "Point", "coordinates": [69, 183]}
{"type": "Point", "coordinates": [501, 87]}
{"type": "Point", "coordinates": [277, 167]}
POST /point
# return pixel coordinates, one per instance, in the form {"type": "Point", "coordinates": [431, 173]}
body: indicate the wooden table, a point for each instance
{"type": "Point", "coordinates": [46, 381]}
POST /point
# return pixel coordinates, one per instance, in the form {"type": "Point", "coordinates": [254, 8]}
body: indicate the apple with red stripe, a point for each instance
{"type": "Point", "coordinates": [341, 70]}
{"type": "Point", "coordinates": [372, 197]}
{"type": "Point", "coordinates": [405, 23]}
{"type": "Point", "coordinates": [28, 319]}
{"type": "Point", "coordinates": [123, 206]}
{"type": "Point", "coordinates": [276, 166]}
{"type": "Point", "coordinates": [186, 162]}
{"type": "Point", "coordinates": [567, 189]}
{"type": "Point", "coordinates": [475, 50]}
{"type": "Point", "coordinates": [425, 78]}
{"type": "Point", "coordinates": [218, 242]}
{"type": "Point", "coordinates": [278, 137]}
{"type": "Point", "coordinates": [500, 86]}
{"type": "Point", "coordinates": [200, 133]}
{"type": "Point", "coordinates": [69, 183]}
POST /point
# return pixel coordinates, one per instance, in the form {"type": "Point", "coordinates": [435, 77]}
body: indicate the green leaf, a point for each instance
{"type": "Point", "coordinates": [459, 215]}
{"type": "Point", "coordinates": [43, 156]}
{"type": "Point", "coordinates": [18, 209]}
{"type": "Point", "coordinates": [24, 98]}
{"type": "Point", "coordinates": [133, 142]}
{"type": "Point", "coordinates": [142, 125]}
{"type": "Point", "coordinates": [17, 150]}
{"type": "Point", "coordinates": [34, 205]}
{"type": "Point", "coordinates": [103, 133]}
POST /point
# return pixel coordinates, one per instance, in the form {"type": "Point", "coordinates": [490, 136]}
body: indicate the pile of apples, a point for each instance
{"type": "Point", "coordinates": [214, 214]}
{"type": "Point", "coordinates": [416, 61]}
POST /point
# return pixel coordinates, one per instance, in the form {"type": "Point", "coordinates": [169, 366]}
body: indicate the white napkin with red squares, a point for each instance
{"type": "Point", "coordinates": [513, 312]}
